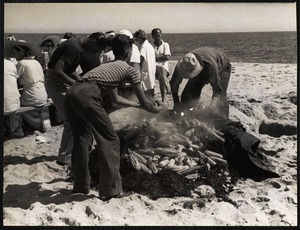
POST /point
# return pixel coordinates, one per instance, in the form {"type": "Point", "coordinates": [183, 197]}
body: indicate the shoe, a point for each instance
{"type": "Point", "coordinates": [18, 133]}
{"type": "Point", "coordinates": [63, 159]}
{"type": "Point", "coordinates": [120, 195]}
{"type": "Point", "coordinates": [61, 163]}
{"type": "Point", "coordinates": [84, 190]}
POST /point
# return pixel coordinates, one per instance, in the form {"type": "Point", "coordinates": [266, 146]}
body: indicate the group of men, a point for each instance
{"type": "Point", "coordinates": [79, 100]}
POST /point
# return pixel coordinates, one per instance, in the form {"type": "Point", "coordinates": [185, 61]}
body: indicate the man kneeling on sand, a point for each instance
{"type": "Point", "coordinates": [88, 118]}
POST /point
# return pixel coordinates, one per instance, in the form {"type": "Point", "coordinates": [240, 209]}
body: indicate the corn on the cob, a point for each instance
{"type": "Point", "coordinates": [219, 160]}
{"type": "Point", "coordinates": [145, 168]}
{"type": "Point", "coordinates": [209, 160]}
{"type": "Point", "coordinates": [177, 168]}
{"type": "Point", "coordinates": [213, 154]}
{"type": "Point", "coordinates": [153, 167]}
{"type": "Point", "coordinates": [134, 161]}
{"type": "Point", "coordinates": [163, 163]}
{"type": "Point", "coordinates": [189, 170]}
{"type": "Point", "coordinates": [166, 151]}
{"type": "Point", "coordinates": [140, 158]}
{"type": "Point", "coordinates": [171, 163]}
{"type": "Point", "coordinates": [149, 152]}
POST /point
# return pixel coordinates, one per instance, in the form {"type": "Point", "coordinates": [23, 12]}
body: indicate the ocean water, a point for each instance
{"type": "Point", "coordinates": [254, 47]}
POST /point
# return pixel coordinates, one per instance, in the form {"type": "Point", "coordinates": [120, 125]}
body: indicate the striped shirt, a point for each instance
{"type": "Point", "coordinates": [112, 74]}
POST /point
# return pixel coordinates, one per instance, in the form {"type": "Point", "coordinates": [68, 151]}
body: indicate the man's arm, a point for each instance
{"type": "Point", "coordinates": [75, 75]}
{"type": "Point", "coordinates": [136, 66]}
{"type": "Point", "coordinates": [175, 83]}
{"type": "Point", "coordinates": [117, 99]}
{"type": "Point", "coordinates": [145, 103]}
{"type": "Point", "coordinates": [62, 76]}
{"type": "Point", "coordinates": [215, 83]}
{"type": "Point", "coordinates": [162, 58]}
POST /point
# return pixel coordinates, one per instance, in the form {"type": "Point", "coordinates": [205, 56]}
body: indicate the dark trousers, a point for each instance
{"type": "Point", "coordinates": [57, 94]}
{"type": "Point", "coordinates": [88, 118]}
{"type": "Point", "coordinates": [191, 94]}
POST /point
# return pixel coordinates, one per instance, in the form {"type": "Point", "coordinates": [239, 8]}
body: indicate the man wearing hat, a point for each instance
{"type": "Point", "coordinates": [62, 74]}
{"type": "Point", "coordinates": [202, 66]}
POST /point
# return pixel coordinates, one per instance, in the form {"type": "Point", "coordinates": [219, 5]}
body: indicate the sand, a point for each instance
{"type": "Point", "coordinates": [36, 192]}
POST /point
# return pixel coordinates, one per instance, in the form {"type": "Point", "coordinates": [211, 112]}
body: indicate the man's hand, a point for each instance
{"type": "Point", "coordinates": [156, 109]}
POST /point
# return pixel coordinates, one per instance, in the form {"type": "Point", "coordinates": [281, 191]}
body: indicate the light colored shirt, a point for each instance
{"type": "Point", "coordinates": [11, 92]}
{"type": "Point", "coordinates": [33, 81]}
{"type": "Point", "coordinates": [135, 56]}
{"type": "Point", "coordinates": [163, 49]}
{"type": "Point", "coordinates": [149, 66]}
{"type": "Point", "coordinates": [108, 57]}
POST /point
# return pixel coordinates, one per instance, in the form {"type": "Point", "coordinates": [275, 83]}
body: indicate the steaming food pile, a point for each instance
{"type": "Point", "coordinates": [162, 159]}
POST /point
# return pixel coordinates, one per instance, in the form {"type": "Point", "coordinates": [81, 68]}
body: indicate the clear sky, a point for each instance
{"type": "Point", "coordinates": [170, 17]}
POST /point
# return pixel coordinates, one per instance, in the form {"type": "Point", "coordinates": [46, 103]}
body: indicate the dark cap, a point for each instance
{"type": "Point", "coordinates": [99, 38]}
{"type": "Point", "coordinates": [68, 35]}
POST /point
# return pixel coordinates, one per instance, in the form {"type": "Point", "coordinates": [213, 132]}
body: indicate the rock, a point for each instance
{"type": "Point", "coordinates": [205, 191]}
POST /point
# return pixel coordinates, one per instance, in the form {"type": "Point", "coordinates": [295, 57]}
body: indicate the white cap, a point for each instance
{"type": "Point", "coordinates": [127, 32]}
{"type": "Point", "coordinates": [62, 40]}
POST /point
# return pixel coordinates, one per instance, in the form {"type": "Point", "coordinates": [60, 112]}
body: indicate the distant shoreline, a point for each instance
{"type": "Point", "coordinates": [240, 32]}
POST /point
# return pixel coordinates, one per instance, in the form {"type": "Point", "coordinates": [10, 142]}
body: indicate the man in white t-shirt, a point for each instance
{"type": "Point", "coordinates": [162, 55]}
{"type": "Point", "coordinates": [148, 64]}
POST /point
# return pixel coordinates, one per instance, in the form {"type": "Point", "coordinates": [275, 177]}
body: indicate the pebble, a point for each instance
{"type": "Point", "coordinates": [275, 184]}
{"type": "Point", "coordinates": [262, 199]}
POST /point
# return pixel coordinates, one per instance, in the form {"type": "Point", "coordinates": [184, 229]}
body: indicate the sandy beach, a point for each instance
{"type": "Point", "coordinates": [36, 191]}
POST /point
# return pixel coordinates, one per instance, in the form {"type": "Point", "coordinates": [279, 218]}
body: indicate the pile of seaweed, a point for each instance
{"type": "Point", "coordinates": [169, 184]}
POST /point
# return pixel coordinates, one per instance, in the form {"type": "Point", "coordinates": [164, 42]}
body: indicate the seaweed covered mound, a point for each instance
{"type": "Point", "coordinates": [169, 184]}
{"type": "Point", "coordinates": [162, 184]}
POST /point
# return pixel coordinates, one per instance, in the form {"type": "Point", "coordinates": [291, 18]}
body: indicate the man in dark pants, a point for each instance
{"type": "Point", "coordinates": [62, 74]}
{"type": "Point", "coordinates": [202, 66]}
{"type": "Point", "coordinates": [88, 119]}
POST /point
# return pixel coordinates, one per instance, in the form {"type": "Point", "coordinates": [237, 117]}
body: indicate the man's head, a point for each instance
{"type": "Point", "coordinates": [189, 66]}
{"type": "Point", "coordinates": [140, 36]}
{"type": "Point", "coordinates": [20, 50]}
{"type": "Point", "coordinates": [156, 34]}
{"type": "Point", "coordinates": [122, 47]}
{"type": "Point", "coordinates": [48, 43]}
{"type": "Point", "coordinates": [68, 35]}
{"type": "Point", "coordinates": [109, 35]}
{"type": "Point", "coordinates": [97, 42]}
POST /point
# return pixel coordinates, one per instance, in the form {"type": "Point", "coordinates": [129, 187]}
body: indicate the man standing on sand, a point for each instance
{"type": "Point", "coordinates": [202, 66]}
{"type": "Point", "coordinates": [162, 55]}
{"type": "Point", "coordinates": [62, 74]}
{"type": "Point", "coordinates": [88, 119]}
{"type": "Point", "coordinates": [148, 64]}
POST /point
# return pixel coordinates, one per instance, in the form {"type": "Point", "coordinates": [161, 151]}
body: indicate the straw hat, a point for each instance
{"type": "Point", "coordinates": [9, 45]}
{"type": "Point", "coordinates": [55, 40]}
{"type": "Point", "coordinates": [189, 66]}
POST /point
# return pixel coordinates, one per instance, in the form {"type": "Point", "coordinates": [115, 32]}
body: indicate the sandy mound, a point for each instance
{"type": "Point", "coordinates": [263, 98]}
